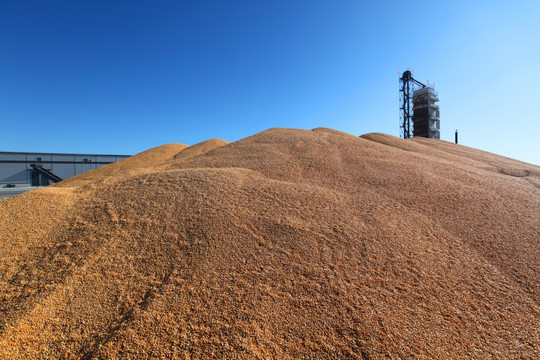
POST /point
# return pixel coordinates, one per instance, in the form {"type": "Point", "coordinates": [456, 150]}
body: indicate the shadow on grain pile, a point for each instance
{"type": "Point", "coordinates": [286, 244]}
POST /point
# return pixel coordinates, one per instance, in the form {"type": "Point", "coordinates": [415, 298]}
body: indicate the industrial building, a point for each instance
{"type": "Point", "coordinates": [39, 169]}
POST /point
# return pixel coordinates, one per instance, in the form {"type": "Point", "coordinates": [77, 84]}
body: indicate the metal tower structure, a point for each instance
{"type": "Point", "coordinates": [406, 88]}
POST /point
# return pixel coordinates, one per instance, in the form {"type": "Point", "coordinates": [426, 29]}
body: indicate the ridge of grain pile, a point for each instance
{"type": "Point", "coordinates": [289, 244]}
{"type": "Point", "coordinates": [143, 159]}
{"type": "Point", "coordinates": [198, 149]}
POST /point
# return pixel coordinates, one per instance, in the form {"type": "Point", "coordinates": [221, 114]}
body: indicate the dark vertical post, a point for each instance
{"type": "Point", "coordinates": [456, 139]}
{"type": "Point", "coordinates": [405, 104]}
{"type": "Point", "coordinates": [408, 110]}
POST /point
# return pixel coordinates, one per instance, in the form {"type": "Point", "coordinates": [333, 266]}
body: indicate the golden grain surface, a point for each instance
{"type": "Point", "coordinates": [142, 160]}
{"type": "Point", "coordinates": [287, 244]}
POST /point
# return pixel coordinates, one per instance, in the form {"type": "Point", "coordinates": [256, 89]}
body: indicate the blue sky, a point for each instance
{"type": "Point", "coordinates": [124, 76]}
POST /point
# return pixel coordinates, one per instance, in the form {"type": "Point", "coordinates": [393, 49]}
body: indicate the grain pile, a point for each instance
{"type": "Point", "coordinates": [286, 244]}
{"type": "Point", "coordinates": [142, 160]}
{"type": "Point", "coordinates": [198, 149]}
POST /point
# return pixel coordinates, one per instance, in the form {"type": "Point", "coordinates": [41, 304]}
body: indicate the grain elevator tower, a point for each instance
{"type": "Point", "coordinates": [423, 119]}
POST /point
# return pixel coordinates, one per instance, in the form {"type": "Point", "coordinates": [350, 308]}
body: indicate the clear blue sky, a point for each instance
{"type": "Point", "coordinates": [103, 76]}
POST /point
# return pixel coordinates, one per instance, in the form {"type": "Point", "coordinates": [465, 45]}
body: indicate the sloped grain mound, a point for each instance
{"type": "Point", "coordinates": [198, 149]}
{"type": "Point", "coordinates": [287, 244]}
{"type": "Point", "coordinates": [144, 159]}
{"type": "Point", "coordinates": [187, 152]}
{"type": "Point", "coordinates": [29, 217]}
